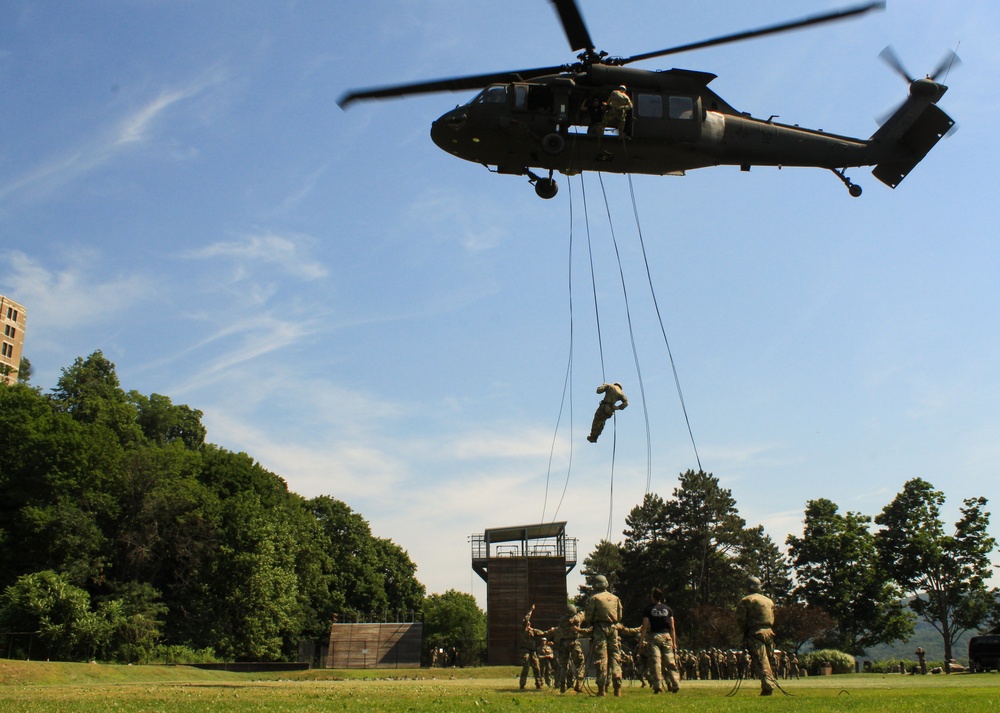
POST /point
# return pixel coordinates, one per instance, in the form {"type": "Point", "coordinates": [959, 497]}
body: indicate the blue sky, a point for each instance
{"type": "Point", "coordinates": [378, 321]}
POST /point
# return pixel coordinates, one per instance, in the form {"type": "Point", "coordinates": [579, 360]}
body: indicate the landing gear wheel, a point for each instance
{"type": "Point", "coordinates": [553, 144]}
{"type": "Point", "coordinates": [546, 188]}
{"type": "Point", "coordinates": [853, 188]}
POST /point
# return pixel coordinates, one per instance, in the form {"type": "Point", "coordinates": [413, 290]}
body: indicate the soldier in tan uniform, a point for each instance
{"type": "Point", "coordinates": [612, 395]}
{"type": "Point", "coordinates": [527, 652]}
{"type": "Point", "coordinates": [755, 617]}
{"type": "Point", "coordinates": [569, 654]}
{"type": "Point", "coordinates": [603, 613]}
{"type": "Point", "coordinates": [619, 109]}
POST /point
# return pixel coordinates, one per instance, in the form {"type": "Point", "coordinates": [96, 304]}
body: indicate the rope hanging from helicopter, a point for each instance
{"type": "Point", "coordinates": [659, 316]}
{"type": "Point", "coordinates": [568, 380]}
{"type": "Point", "coordinates": [567, 385]}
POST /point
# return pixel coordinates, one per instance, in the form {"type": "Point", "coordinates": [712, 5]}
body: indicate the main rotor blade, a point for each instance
{"type": "Point", "coordinates": [572, 22]}
{"type": "Point", "coordinates": [770, 30]}
{"type": "Point", "coordinates": [451, 84]}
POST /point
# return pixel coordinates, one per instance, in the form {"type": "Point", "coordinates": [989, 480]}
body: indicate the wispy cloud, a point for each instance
{"type": "Point", "coordinates": [133, 129]}
{"type": "Point", "coordinates": [75, 295]}
{"type": "Point", "coordinates": [285, 253]}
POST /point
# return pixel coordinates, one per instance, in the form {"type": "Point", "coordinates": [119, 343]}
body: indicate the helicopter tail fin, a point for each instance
{"type": "Point", "coordinates": [909, 134]}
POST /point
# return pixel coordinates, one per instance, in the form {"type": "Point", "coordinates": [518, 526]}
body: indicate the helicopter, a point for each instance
{"type": "Point", "coordinates": [554, 118]}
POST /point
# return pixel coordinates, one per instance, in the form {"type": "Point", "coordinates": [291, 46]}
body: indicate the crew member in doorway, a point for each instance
{"type": "Point", "coordinates": [612, 395]}
{"type": "Point", "coordinates": [619, 109]}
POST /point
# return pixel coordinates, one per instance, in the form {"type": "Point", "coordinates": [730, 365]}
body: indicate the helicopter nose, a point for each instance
{"type": "Point", "coordinates": [445, 131]}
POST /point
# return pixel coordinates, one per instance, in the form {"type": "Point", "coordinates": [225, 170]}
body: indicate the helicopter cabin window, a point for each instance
{"type": "Point", "coordinates": [649, 106]}
{"type": "Point", "coordinates": [681, 107]}
{"type": "Point", "coordinates": [497, 94]}
{"type": "Point", "coordinates": [521, 97]}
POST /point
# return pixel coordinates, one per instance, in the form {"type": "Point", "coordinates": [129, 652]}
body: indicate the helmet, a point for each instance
{"type": "Point", "coordinates": [600, 583]}
{"type": "Point", "coordinates": [753, 584]}
{"type": "Point", "coordinates": [571, 608]}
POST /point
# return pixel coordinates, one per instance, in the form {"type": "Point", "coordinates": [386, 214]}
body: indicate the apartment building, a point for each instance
{"type": "Point", "coordinates": [12, 342]}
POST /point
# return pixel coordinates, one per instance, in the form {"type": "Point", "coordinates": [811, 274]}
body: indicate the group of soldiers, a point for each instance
{"type": "Point", "coordinates": [710, 664]}
{"type": "Point", "coordinates": [443, 658]}
{"type": "Point", "coordinates": [555, 656]}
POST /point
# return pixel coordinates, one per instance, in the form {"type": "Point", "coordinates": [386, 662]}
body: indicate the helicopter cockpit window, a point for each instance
{"type": "Point", "coordinates": [649, 106]}
{"type": "Point", "coordinates": [681, 107]}
{"type": "Point", "coordinates": [497, 94]}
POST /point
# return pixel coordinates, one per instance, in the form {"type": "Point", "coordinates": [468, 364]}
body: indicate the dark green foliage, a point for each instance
{"type": "Point", "coordinates": [454, 620]}
{"type": "Point", "coordinates": [944, 575]}
{"type": "Point", "coordinates": [838, 570]}
{"type": "Point", "coordinates": [114, 509]}
{"type": "Point", "coordinates": [698, 549]}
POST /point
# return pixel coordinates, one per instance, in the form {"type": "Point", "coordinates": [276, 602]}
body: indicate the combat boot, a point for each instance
{"type": "Point", "coordinates": [600, 690]}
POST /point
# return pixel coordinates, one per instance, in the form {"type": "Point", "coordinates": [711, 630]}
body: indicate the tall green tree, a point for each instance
{"type": "Point", "coordinates": [838, 569]}
{"type": "Point", "coordinates": [162, 422]}
{"type": "Point", "coordinates": [90, 392]}
{"type": "Point", "coordinates": [174, 539]}
{"type": "Point", "coordinates": [945, 575]}
{"type": "Point", "coordinates": [606, 560]}
{"type": "Point", "coordinates": [454, 620]}
{"type": "Point", "coordinates": [252, 587]}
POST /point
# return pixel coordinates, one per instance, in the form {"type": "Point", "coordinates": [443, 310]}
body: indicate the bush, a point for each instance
{"type": "Point", "coordinates": [182, 655]}
{"type": "Point", "coordinates": [892, 665]}
{"type": "Point", "coordinates": [842, 662]}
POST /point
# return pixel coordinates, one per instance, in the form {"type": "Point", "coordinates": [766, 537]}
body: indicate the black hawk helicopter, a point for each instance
{"type": "Point", "coordinates": [541, 118]}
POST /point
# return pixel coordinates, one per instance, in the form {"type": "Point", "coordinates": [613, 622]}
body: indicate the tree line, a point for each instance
{"type": "Point", "coordinates": [848, 582]}
{"type": "Point", "coordinates": [122, 530]}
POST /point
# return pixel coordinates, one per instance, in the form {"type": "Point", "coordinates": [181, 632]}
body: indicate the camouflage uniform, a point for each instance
{"type": "Point", "coordinates": [619, 109]}
{"type": "Point", "coordinates": [529, 658]}
{"type": "Point", "coordinates": [662, 663]}
{"type": "Point", "coordinates": [755, 617]}
{"type": "Point", "coordinates": [704, 665]}
{"type": "Point", "coordinates": [545, 656]}
{"type": "Point", "coordinates": [612, 395]}
{"type": "Point", "coordinates": [569, 654]}
{"type": "Point", "coordinates": [602, 613]}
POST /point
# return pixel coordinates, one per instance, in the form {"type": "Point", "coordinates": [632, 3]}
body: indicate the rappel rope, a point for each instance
{"type": "Point", "coordinates": [568, 379]}
{"type": "Point", "coordinates": [659, 317]}
{"type": "Point", "coordinates": [567, 384]}
{"type": "Point", "coordinates": [631, 334]}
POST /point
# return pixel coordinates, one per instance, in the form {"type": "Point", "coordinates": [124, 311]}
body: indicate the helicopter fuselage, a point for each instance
{"type": "Point", "coordinates": [676, 124]}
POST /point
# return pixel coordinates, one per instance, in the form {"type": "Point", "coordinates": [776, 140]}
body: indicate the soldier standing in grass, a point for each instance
{"type": "Point", "coordinates": [660, 635]}
{"type": "Point", "coordinates": [603, 613]}
{"type": "Point", "coordinates": [755, 617]}
{"type": "Point", "coordinates": [568, 652]}
{"type": "Point", "coordinates": [529, 658]}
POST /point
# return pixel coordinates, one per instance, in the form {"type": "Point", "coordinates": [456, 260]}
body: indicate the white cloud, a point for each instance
{"type": "Point", "coordinates": [95, 152]}
{"type": "Point", "coordinates": [266, 249]}
{"type": "Point", "coordinates": [74, 296]}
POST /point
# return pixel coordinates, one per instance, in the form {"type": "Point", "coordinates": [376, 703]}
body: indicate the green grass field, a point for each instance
{"type": "Point", "coordinates": [41, 686]}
